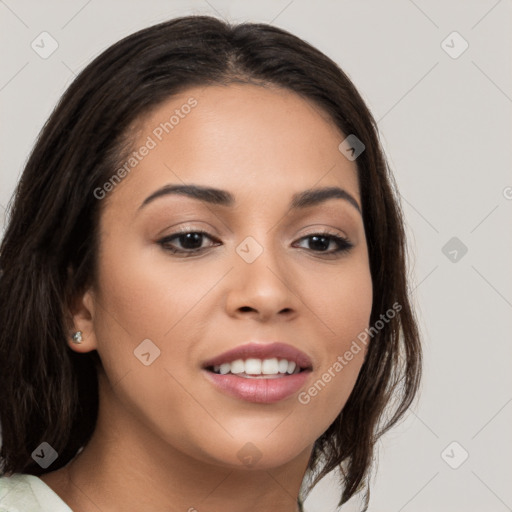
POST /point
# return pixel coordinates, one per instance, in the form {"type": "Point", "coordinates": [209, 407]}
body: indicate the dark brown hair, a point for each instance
{"type": "Point", "coordinates": [49, 252]}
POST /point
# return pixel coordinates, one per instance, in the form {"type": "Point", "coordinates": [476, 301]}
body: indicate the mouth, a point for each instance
{"type": "Point", "coordinates": [259, 372]}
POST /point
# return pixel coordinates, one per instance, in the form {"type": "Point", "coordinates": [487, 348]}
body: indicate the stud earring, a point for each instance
{"type": "Point", "coordinates": [77, 337]}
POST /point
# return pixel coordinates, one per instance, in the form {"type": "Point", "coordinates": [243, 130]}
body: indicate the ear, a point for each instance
{"type": "Point", "coordinates": [82, 319]}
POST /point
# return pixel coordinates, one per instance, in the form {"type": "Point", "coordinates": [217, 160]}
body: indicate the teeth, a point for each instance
{"type": "Point", "coordinates": [225, 368]}
{"type": "Point", "coordinates": [283, 366]}
{"type": "Point", "coordinates": [237, 366]}
{"type": "Point", "coordinates": [269, 366]}
{"type": "Point", "coordinates": [254, 366]}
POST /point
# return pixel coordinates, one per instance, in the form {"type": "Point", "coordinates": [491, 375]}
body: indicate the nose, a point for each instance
{"type": "Point", "coordinates": [264, 288]}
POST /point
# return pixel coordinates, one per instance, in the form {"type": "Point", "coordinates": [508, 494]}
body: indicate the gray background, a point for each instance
{"type": "Point", "coordinates": [446, 125]}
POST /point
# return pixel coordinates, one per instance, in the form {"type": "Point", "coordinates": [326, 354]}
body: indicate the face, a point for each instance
{"type": "Point", "coordinates": [256, 269]}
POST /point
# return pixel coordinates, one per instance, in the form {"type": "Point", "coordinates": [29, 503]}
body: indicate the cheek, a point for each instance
{"type": "Point", "coordinates": [342, 303]}
{"type": "Point", "coordinates": [345, 304]}
{"type": "Point", "coordinates": [144, 296]}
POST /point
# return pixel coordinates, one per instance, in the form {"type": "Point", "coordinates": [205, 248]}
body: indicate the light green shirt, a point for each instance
{"type": "Point", "coordinates": [28, 493]}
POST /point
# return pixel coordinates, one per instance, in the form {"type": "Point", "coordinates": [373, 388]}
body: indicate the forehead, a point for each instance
{"type": "Point", "coordinates": [251, 140]}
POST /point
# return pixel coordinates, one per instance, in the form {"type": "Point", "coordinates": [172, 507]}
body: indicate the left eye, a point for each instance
{"type": "Point", "coordinates": [324, 240]}
{"type": "Point", "coordinates": [191, 242]}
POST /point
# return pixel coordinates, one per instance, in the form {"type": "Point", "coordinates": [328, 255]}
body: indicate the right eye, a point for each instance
{"type": "Point", "coordinates": [191, 242]}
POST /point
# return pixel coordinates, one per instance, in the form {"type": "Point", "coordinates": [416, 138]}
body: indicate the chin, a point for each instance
{"type": "Point", "coordinates": [261, 453]}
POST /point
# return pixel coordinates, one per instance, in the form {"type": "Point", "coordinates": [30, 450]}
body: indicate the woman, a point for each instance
{"type": "Point", "coordinates": [203, 296]}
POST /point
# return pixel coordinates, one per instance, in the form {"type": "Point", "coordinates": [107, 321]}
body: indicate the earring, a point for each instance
{"type": "Point", "coordinates": [77, 337]}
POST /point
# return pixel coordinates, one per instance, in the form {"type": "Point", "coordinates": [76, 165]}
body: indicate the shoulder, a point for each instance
{"type": "Point", "coordinates": [28, 493]}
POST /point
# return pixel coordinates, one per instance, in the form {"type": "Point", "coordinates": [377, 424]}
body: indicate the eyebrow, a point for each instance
{"type": "Point", "coordinates": [300, 200]}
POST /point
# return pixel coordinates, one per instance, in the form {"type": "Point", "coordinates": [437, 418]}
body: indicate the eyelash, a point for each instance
{"type": "Point", "coordinates": [344, 245]}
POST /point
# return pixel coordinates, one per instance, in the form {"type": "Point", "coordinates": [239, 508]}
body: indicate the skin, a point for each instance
{"type": "Point", "coordinates": [166, 438]}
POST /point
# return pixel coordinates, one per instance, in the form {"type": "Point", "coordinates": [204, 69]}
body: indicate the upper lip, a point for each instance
{"type": "Point", "coordinates": [262, 350]}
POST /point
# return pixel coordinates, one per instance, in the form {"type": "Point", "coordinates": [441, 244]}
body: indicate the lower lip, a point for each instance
{"type": "Point", "coordinates": [265, 391]}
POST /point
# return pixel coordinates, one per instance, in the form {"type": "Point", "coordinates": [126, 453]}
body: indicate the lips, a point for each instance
{"type": "Point", "coordinates": [264, 389]}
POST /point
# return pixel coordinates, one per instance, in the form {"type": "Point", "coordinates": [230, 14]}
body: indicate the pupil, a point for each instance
{"type": "Point", "coordinates": [319, 245]}
{"type": "Point", "coordinates": [189, 239]}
